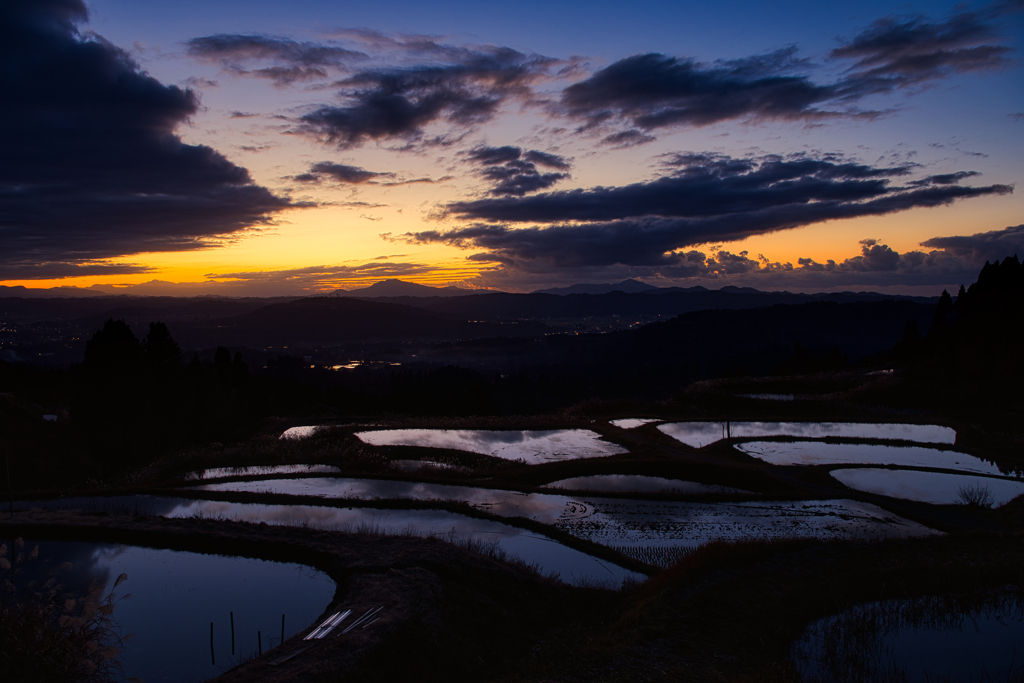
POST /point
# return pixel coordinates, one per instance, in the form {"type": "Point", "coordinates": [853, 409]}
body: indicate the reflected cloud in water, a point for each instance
{"type": "Point", "coordinates": [549, 555]}
{"type": "Point", "coordinates": [927, 487]}
{"type": "Point", "coordinates": [629, 483]}
{"type": "Point", "coordinates": [534, 447]}
{"type": "Point", "coordinates": [632, 422]}
{"type": "Point", "coordinates": [817, 453]}
{"type": "Point", "coordinates": [700, 434]}
{"type": "Point", "coordinates": [622, 522]}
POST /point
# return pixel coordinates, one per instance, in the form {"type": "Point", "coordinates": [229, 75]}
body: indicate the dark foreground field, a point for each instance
{"type": "Point", "coordinates": [728, 612]}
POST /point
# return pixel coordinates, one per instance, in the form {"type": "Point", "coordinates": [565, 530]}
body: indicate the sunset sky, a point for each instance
{"type": "Point", "coordinates": [267, 147]}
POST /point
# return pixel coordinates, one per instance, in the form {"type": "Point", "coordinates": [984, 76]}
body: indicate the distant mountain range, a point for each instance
{"type": "Point", "coordinates": [395, 288]}
{"type": "Point", "coordinates": [627, 286]}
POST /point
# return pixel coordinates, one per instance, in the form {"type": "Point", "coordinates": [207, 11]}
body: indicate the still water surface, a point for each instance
{"type": "Point", "coordinates": [927, 487]}
{"type": "Point", "coordinates": [699, 434]}
{"type": "Point", "coordinates": [550, 556]}
{"type": "Point", "coordinates": [817, 453]}
{"type": "Point", "coordinates": [915, 641]}
{"type": "Point", "coordinates": [620, 523]}
{"type": "Point", "coordinates": [535, 447]}
{"type": "Point", "coordinates": [632, 422]}
{"type": "Point", "coordinates": [175, 595]}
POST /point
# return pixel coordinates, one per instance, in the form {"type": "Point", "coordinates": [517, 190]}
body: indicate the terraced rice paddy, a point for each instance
{"type": "Point", "coordinates": [817, 453]}
{"type": "Point", "coordinates": [175, 596]}
{"type": "Point", "coordinates": [531, 447]}
{"type": "Point", "coordinates": [615, 522]}
{"type": "Point", "coordinates": [632, 483]}
{"type": "Point", "coordinates": [937, 488]}
{"type": "Point", "coordinates": [700, 434]}
{"type": "Point", "coordinates": [549, 555]}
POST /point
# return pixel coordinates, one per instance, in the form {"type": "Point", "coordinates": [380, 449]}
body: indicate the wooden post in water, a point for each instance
{"type": "Point", "coordinates": [282, 629]}
{"type": "Point", "coordinates": [259, 641]}
{"type": "Point", "coordinates": [232, 633]}
{"type": "Point", "coordinates": [213, 660]}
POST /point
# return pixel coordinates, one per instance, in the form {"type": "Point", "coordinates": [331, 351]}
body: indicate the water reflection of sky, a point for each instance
{"type": "Point", "coordinates": [632, 422]}
{"type": "Point", "coordinates": [817, 453]}
{"type": "Point", "coordinates": [299, 432]}
{"type": "Point", "coordinates": [549, 555]}
{"type": "Point", "coordinates": [699, 434]}
{"type": "Point", "coordinates": [927, 487]}
{"type": "Point", "coordinates": [621, 522]}
{"type": "Point", "coordinates": [938, 645]}
{"type": "Point", "coordinates": [634, 483]}
{"type": "Point", "coordinates": [175, 595]}
{"type": "Point", "coordinates": [534, 447]}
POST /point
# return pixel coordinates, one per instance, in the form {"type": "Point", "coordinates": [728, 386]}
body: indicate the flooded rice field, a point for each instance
{"type": "Point", "coordinates": [634, 483]}
{"type": "Point", "coordinates": [931, 487]}
{"type": "Point", "coordinates": [533, 447]}
{"type": "Point", "coordinates": [547, 554]}
{"type": "Point", "coordinates": [623, 523]}
{"type": "Point", "coordinates": [700, 434]}
{"type": "Point", "coordinates": [924, 640]}
{"type": "Point", "coordinates": [300, 432]}
{"type": "Point", "coordinates": [259, 471]}
{"type": "Point", "coordinates": [632, 422]}
{"type": "Point", "coordinates": [817, 453]}
{"type": "Point", "coordinates": [176, 595]}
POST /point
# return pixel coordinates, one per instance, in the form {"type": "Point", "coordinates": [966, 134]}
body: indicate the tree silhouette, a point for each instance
{"type": "Point", "coordinates": [159, 349]}
{"type": "Point", "coordinates": [113, 348]}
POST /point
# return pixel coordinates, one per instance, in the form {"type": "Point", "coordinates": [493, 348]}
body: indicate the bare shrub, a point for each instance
{"type": "Point", "coordinates": [977, 495]}
{"type": "Point", "coordinates": [47, 634]}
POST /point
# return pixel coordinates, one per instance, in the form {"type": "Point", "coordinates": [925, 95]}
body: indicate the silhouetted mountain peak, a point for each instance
{"type": "Point", "coordinates": [733, 289]}
{"type": "Point", "coordinates": [395, 288]}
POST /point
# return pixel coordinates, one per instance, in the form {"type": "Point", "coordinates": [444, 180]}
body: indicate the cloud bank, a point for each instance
{"type": "Point", "coordinates": [91, 166]}
{"type": "Point", "coordinates": [647, 92]}
{"type": "Point", "coordinates": [704, 198]}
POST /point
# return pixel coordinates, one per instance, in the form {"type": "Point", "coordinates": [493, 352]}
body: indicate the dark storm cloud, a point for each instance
{"type": "Point", "coordinates": [955, 260]}
{"type": "Point", "coordinates": [951, 260]}
{"type": "Point", "coordinates": [982, 246]}
{"type": "Point", "coordinates": [707, 198]}
{"type": "Point", "coordinates": [400, 102]}
{"type": "Point", "coordinates": [894, 54]}
{"type": "Point", "coordinates": [627, 138]}
{"type": "Point", "coordinates": [547, 160]}
{"type": "Point", "coordinates": [652, 91]}
{"type": "Point", "coordinates": [57, 270]}
{"type": "Point", "coordinates": [355, 175]}
{"type": "Point", "coordinates": [700, 185]}
{"type": "Point", "coordinates": [91, 167]}
{"type": "Point", "coordinates": [513, 172]}
{"type": "Point", "coordinates": [342, 173]}
{"type": "Point", "coordinates": [945, 178]}
{"type": "Point", "coordinates": [297, 61]}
